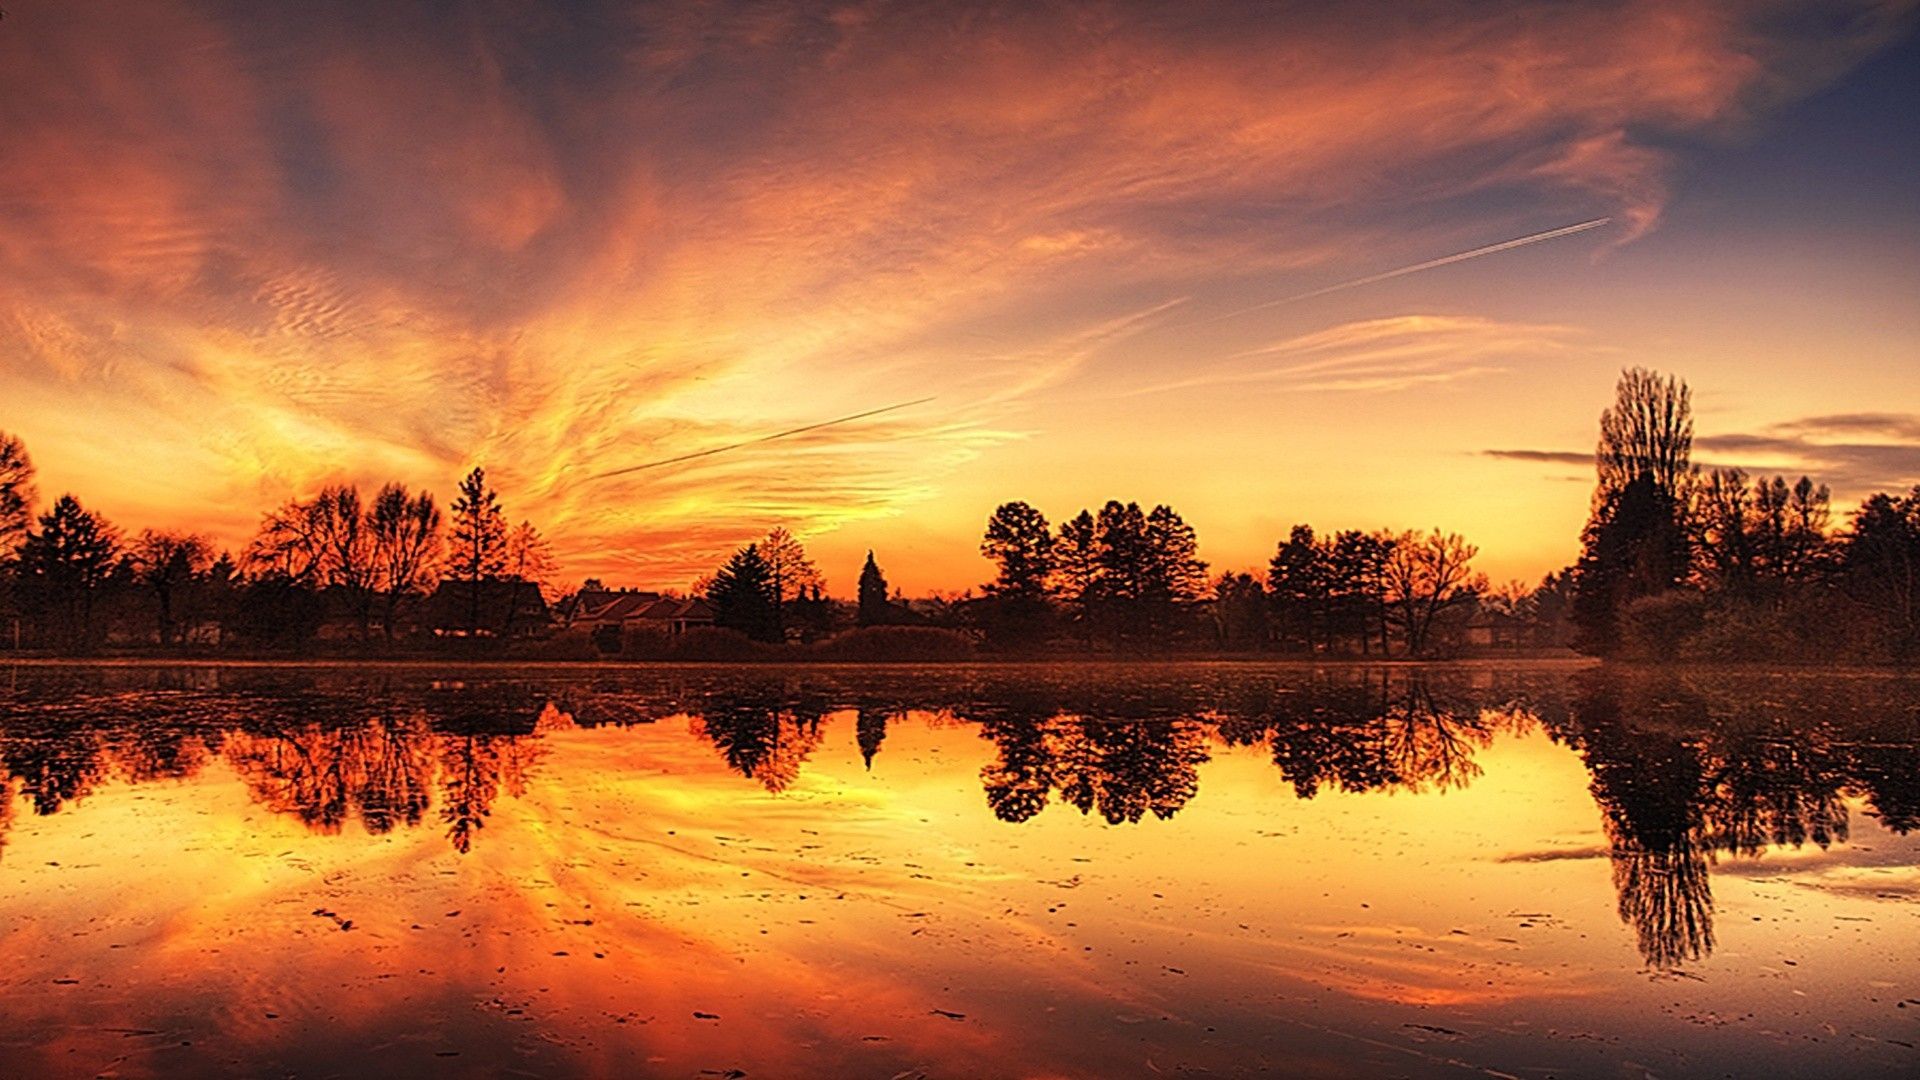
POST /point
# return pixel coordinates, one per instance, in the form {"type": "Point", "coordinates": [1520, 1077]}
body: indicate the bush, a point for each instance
{"type": "Point", "coordinates": [895, 644]}
{"type": "Point", "coordinates": [713, 644]}
{"type": "Point", "coordinates": [566, 645]}
{"type": "Point", "coordinates": [643, 643]}
{"type": "Point", "coordinates": [1661, 627]}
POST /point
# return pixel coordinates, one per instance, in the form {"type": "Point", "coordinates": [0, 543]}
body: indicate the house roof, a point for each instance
{"type": "Point", "coordinates": [627, 606]}
{"type": "Point", "coordinates": [612, 606]}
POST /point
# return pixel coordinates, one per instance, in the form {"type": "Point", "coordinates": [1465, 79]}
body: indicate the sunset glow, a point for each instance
{"type": "Point", "coordinates": [244, 256]}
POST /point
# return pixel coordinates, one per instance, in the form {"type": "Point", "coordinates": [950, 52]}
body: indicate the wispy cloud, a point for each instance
{"type": "Point", "coordinates": [1855, 454]}
{"type": "Point", "coordinates": [1380, 355]}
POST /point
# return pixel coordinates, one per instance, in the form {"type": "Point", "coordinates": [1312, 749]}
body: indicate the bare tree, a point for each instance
{"type": "Point", "coordinates": [167, 563]}
{"type": "Point", "coordinates": [405, 532]}
{"type": "Point", "coordinates": [529, 562]}
{"type": "Point", "coordinates": [1648, 430]}
{"type": "Point", "coordinates": [16, 494]}
{"type": "Point", "coordinates": [288, 544]}
{"type": "Point", "coordinates": [794, 575]}
{"type": "Point", "coordinates": [347, 550]}
{"type": "Point", "coordinates": [1426, 576]}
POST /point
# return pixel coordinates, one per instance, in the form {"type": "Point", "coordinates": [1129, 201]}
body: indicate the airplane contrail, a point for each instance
{"type": "Point", "coordinates": [1444, 260]}
{"type": "Point", "coordinates": [756, 441]}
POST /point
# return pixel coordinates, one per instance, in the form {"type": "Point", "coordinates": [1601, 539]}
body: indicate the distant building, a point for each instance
{"type": "Point", "coordinates": [602, 610]}
{"type": "Point", "coordinates": [1490, 628]}
{"type": "Point", "coordinates": [503, 607]}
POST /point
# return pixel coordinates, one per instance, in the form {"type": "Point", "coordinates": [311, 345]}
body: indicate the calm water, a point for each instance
{"type": "Point", "coordinates": [987, 872]}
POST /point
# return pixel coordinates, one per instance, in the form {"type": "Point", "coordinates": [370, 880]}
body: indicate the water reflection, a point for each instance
{"type": "Point", "coordinates": [1683, 771]}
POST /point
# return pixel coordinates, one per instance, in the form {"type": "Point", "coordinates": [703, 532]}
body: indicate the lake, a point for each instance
{"type": "Point", "coordinates": [1520, 870]}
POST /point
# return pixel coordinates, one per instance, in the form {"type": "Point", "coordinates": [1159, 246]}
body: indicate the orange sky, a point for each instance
{"type": "Point", "coordinates": [246, 253]}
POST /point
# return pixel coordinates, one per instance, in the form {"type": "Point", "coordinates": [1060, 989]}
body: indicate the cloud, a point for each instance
{"type": "Point", "coordinates": [1554, 457]}
{"type": "Point", "coordinates": [1383, 355]}
{"type": "Point", "coordinates": [275, 246]}
{"type": "Point", "coordinates": [1854, 454]}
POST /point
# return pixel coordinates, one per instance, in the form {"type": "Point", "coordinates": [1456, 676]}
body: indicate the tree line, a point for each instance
{"type": "Point", "coordinates": [1676, 562]}
{"type": "Point", "coordinates": [1127, 579]}
{"type": "Point", "coordinates": [69, 577]}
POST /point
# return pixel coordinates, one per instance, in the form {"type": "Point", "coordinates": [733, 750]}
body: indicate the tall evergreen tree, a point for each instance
{"type": "Point", "coordinates": [64, 566]}
{"type": "Point", "coordinates": [1076, 570]}
{"type": "Point", "coordinates": [478, 552]}
{"type": "Point", "coordinates": [1357, 587]}
{"type": "Point", "coordinates": [741, 593]}
{"type": "Point", "coordinates": [875, 609]}
{"type": "Point", "coordinates": [1298, 585]}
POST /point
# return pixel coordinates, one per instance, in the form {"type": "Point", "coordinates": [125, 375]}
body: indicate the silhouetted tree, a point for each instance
{"type": "Point", "coordinates": [741, 593]}
{"type": "Point", "coordinates": [528, 566]}
{"type": "Point", "coordinates": [405, 529]}
{"type": "Point", "coordinates": [478, 548]}
{"type": "Point", "coordinates": [1017, 605]}
{"type": "Point", "coordinates": [1879, 568]}
{"type": "Point", "coordinates": [1240, 611]}
{"type": "Point", "coordinates": [1076, 570]}
{"type": "Point", "coordinates": [64, 566]}
{"type": "Point", "coordinates": [16, 495]}
{"type": "Point", "coordinates": [1426, 576]}
{"type": "Point", "coordinates": [874, 607]}
{"type": "Point", "coordinates": [347, 563]}
{"type": "Point", "coordinates": [1648, 431]}
{"type": "Point", "coordinates": [16, 515]}
{"type": "Point", "coordinates": [1357, 587]}
{"type": "Point", "coordinates": [168, 564]}
{"type": "Point", "coordinates": [290, 545]}
{"type": "Point", "coordinates": [795, 578]}
{"type": "Point", "coordinates": [1020, 543]}
{"type": "Point", "coordinates": [1176, 573]}
{"type": "Point", "coordinates": [1635, 542]}
{"type": "Point", "coordinates": [1755, 542]}
{"type": "Point", "coordinates": [1633, 548]}
{"type": "Point", "coordinates": [1299, 581]}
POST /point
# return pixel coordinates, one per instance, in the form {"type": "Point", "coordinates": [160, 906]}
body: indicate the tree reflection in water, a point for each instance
{"type": "Point", "coordinates": [1683, 770]}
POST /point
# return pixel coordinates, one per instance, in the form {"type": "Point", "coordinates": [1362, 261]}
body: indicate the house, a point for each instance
{"type": "Point", "coordinates": [492, 607]}
{"type": "Point", "coordinates": [611, 611]}
{"type": "Point", "coordinates": [1491, 628]}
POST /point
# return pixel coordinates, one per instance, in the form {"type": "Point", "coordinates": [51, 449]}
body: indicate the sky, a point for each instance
{"type": "Point", "coordinates": [247, 250]}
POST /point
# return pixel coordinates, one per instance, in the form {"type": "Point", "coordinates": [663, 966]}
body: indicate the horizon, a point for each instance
{"type": "Point", "coordinates": [1107, 256]}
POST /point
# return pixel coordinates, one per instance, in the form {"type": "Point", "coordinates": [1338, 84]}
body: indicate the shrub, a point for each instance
{"type": "Point", "coordinates": [644, 643]}
{"type": "Point", "coordinates": [895, 644]}
{"type": "Point", "coordinates": [1661, 627]}
{"type": "Point", "coordinates": [566, 645]}
{"type": "Point", "coordinates": [712, 643]}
